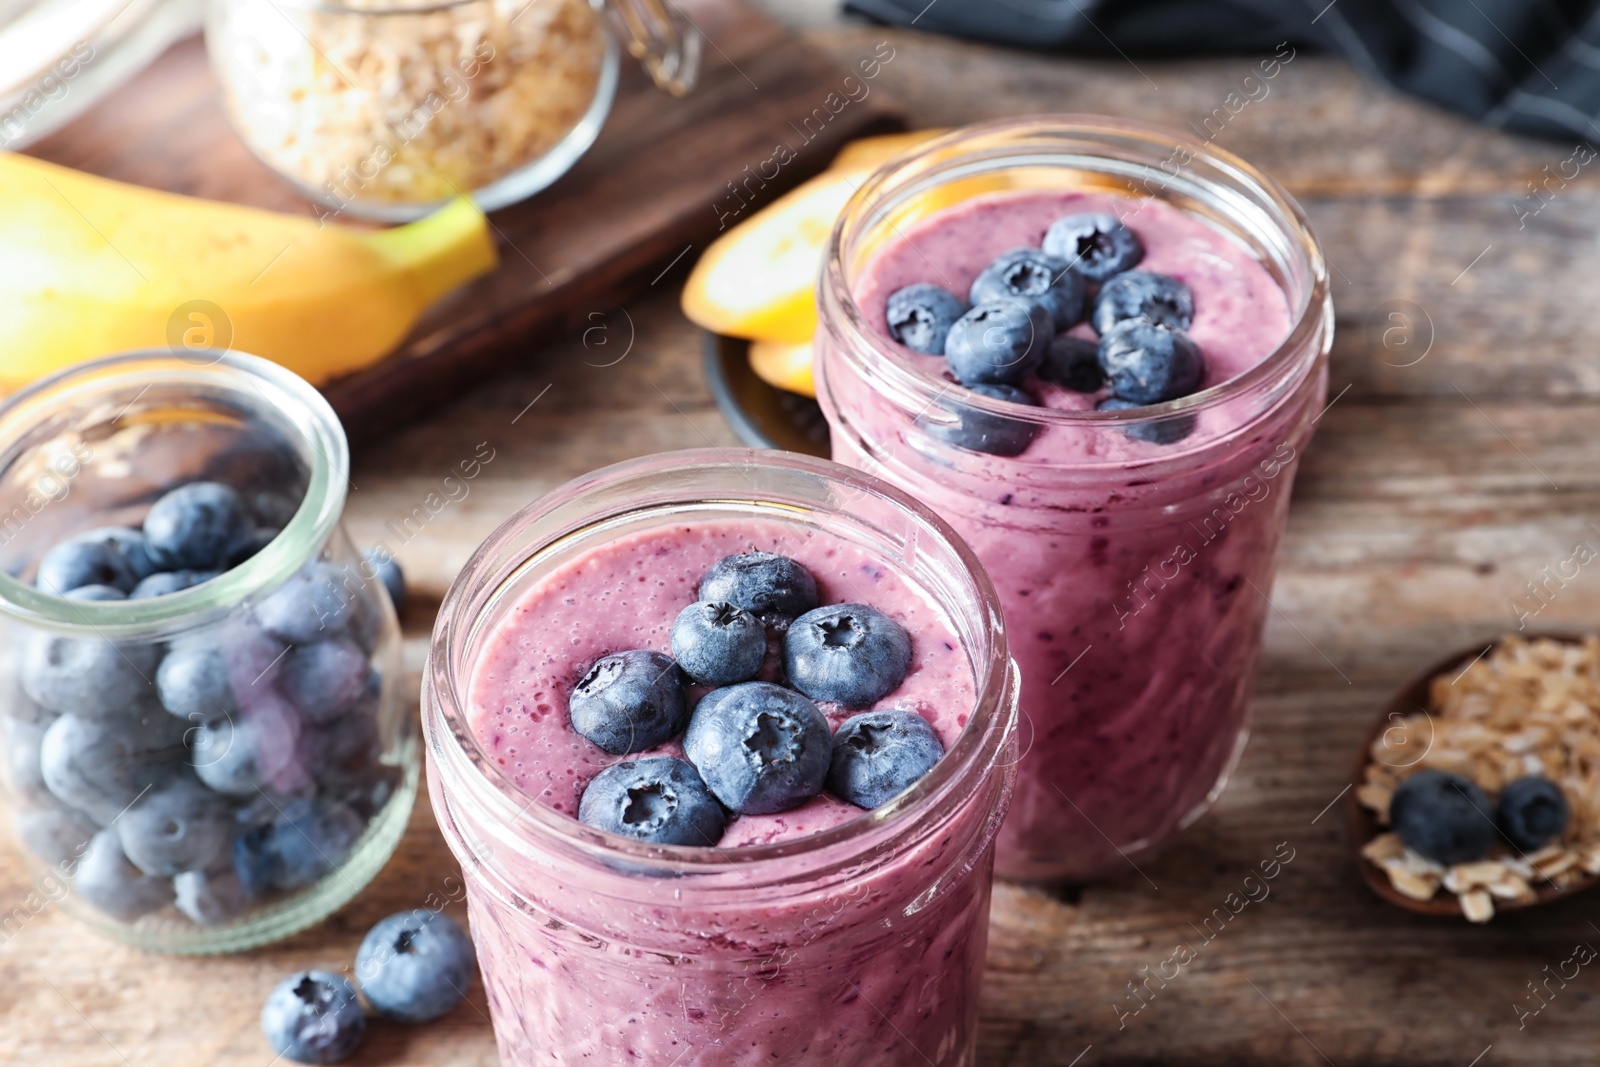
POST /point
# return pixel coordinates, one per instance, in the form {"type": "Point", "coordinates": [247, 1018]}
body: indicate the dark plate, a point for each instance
{"type": "Point", "coordinates": [763, 415]}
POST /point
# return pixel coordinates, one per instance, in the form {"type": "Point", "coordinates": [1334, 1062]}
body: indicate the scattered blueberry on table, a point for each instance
{"type": "Point", "coordinates": [314, 1017]}
{"type": "Point", "coordinates": [749, 747]}
{"type": "Point", "coordinates": [415, 966]}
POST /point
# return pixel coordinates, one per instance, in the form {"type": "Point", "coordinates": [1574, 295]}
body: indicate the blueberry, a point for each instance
{"type": "Point", "coordinates": [1032, 274]}
{"type": "Point", "coordinates": [1166, 431]}
{"type": "Point", "coordinates": [100, 766]}
{"type": "Point", "coordinates": [109, 883]}
{"type": "Point", "coordinates": [1072, 363]}
{"type": "Point", "coordinates": [211, 898]}
{"type": "Point", "coordinates": [387, 570]}
{"type": "Point", "coordinates": [20, 740]}
{"type": "Point", "coordinates": [315, 603]}
{"type": "Point", "coordinates": [659, 800]}
{"type": "Point", "coordinates": [55, 834]}
{"type": "Point", "coordinates": [313, 1017]}
{"type": "Point", "coordinates": [127, 542]}
{"type": "Point", "coordinates": [261, 747]}
{"type": "Point", "coordinates": [1532, 811]}
{"type": "Point", "coordinates": [877, 755]}
{"type": "Point", "coordinates": [255, 863]}
{"type": "Point", "coordinates": [921, 315]}
{"type": "Point", "coordinates": [1149, 364]}
{"type": "Point", "coordinates": [629, 701]}
{"type": "Point", "coordinates": [198, 526]}
{"type": "Point", "coordinates": [769, 586]}
{"type": "Point", "coordinates": [1443, 816]}
{"type": "Point", "coordinates": [179, 827]}
{"type": "Point", "coordinates": [1096, 245]}
{"type": "Point", "coordinates": [74, 564]}
{"type": "Point", "coordinates": [1143, 294]}
{"type": "Point", "coordinates": [259, 538]}
{"type": "Point", "coordinates": [718, 644]}
{"type": "Point", "coordinates": [759, 747]}
{"type": "Point", "coordinates": [164, 582]}
{"type": "Point", "coordinates": [88, 676]}
{"type": "Point", "coordinates": [310, 838]}
{"type": "Point", "coordinates": [415, 966]}
{"type": "Point", "coordinates": [981, 431]}
{"type": "Point", "coordinates": [998, 343]}
{"type": "Point", "coordinates": [208, 676]}
{"type": "Point", "coordinates": [850, 654]}
{"type": "Point", "coordinates": [346, 748]}
{"type": "Point", "coordinates": [325, 679]}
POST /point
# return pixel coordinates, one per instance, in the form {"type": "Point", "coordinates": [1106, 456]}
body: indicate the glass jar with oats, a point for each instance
{"type": "Point", "coordinates": [383, 109]}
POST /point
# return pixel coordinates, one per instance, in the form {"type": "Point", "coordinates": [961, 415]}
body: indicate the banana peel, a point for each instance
{"type": "Point", "coordinates": [90, 266]}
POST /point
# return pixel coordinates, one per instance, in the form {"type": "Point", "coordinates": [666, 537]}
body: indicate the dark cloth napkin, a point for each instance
{"type": "Point", "coordinates": [1527, 65]}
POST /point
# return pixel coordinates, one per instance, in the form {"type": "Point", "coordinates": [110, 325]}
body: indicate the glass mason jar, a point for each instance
{"type": "Point", "coordinates": [388, 108]}
{"type": "Point", "coordinates": [1133, 573]}
{"type": "Point", "coordinates": [244, 740]}
{"type": "Point", "coordinates": [863, 943]}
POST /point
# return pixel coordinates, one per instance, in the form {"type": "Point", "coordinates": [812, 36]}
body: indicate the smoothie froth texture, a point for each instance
{"type": "Point", "coordinates": [1133, 573]}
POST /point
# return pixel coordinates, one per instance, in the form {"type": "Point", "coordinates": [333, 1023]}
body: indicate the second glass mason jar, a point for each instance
{"type": "Point", "coordinates": [859, 944]}
{"type": "Point", "coordinates": [1133, 550]}
{"type": "Point", "coordinates": [195, 760]}
{"type": "Point", "coordinates": [387, 108]}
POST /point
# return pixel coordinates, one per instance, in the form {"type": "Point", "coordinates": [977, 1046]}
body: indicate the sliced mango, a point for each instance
{"type": "Point", "coordinates": [758, 279]}
{"type": "Point", "coordinates": [784, 364]}
{"type": "Point", "coordinates": [870, 153]}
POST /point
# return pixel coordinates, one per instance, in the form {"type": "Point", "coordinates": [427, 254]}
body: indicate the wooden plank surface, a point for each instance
{"type": "Point", "coordinates": [653, 186]}
{"type": "Point", "coordinates": [1432, 492]}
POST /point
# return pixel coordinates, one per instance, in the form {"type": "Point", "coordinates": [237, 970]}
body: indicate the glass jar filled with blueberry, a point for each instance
{"type": "Point", "coordinates": [205, 743]}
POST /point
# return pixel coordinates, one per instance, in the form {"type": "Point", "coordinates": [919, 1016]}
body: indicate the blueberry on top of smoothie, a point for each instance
{"type": "Point", "coordinates": [197, 526]}
{"type": "Point", "coordinates": [1443, 816]}
{"type": "Point", "coordinates": [982, 431]}
{"type": "Point", "coordinates": [1167, 431]}
{"type": "Point", "coordinates": [1531, 811]}
{"type": "Point", "coordinates": [1096, 245]}
{"type": "Point", "coordinates": [850, 654]}
{"type": "Point", "coordinates": [765, 584]}
{"type": "Point", "coordinates": [919, 316]}
{"type": "Point", "coordinates": [717, 643]}
{"type": "Point", "coordinates": [998, 343]}
{"type": "Point", "coordinates": [877, 755]}
{"type": "Point", "coordinates": [659, 800]}
{"type": "Point", "coordinates": [759, 747]}
{"type": "Point", "coordinates": [1073, 363]}
{"type": "Point", "coordinates": [1149, 364]}
{"type": "Point", "coordinates": [1033, 274]}
{"type": "Point", "coordinates": [629, 701]}
{"type": "Point", "coordinates": [1143, 294]}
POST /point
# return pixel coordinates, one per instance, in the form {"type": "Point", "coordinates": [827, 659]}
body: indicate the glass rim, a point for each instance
{"type": "Point", "coordinates": [447, 732]}
{"type": "Point", "coordinates": [859, 336]}
{"type": "Point", "coordinates": [303, 409]}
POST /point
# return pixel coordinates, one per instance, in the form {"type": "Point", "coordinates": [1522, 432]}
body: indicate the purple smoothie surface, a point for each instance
{"type": "Point", "coordinates": [625, 594]}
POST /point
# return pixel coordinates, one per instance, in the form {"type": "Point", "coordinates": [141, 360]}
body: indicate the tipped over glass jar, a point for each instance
{"type": "Point", "coordinates": [206, 746]}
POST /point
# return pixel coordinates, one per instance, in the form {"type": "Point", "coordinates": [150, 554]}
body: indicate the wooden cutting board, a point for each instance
{"type": "Point", "coordinates": [645, 199]}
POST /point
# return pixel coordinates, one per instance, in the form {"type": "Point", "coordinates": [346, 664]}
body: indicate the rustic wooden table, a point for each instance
{"type": "Point", "coordinates": [1458, 459]}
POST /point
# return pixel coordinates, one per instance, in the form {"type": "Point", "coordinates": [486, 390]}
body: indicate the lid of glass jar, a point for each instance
{"type": "Point", "coordinates": [57, 57]}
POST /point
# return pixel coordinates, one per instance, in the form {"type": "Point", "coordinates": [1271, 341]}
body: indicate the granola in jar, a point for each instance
{"type": "Point", "coordinates": [370, 101]}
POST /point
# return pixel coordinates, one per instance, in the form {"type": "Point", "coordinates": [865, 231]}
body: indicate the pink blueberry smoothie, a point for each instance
{"type": "Point", "coordinates": [874, 961]}
{"type": "Point", "coordinates": [1133, 573]}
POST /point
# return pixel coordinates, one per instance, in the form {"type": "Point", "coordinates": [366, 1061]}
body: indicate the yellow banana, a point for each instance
{"type": "Point", "coordinates": [90, 266]}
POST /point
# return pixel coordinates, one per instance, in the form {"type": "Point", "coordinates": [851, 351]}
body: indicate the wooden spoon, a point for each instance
{"type": "Point", "coordinates": [1364, 825]}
